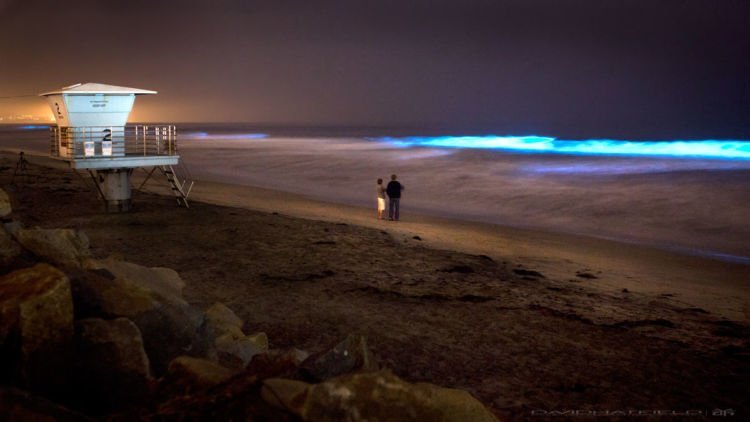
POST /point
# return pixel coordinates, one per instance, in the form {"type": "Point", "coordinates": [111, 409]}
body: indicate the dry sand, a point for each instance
{"type": "Point", "coordinates": [522, 319]}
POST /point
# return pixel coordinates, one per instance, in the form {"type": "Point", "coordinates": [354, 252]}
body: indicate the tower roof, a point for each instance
{"type": "Point", "coordinates": [96, 88]}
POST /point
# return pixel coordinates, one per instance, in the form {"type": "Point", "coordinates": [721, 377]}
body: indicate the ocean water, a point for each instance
{"type": "Point", "coordinates": [684, 195]}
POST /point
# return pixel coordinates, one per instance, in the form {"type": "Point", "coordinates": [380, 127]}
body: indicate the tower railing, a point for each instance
{"type": "Point", "coordinates": [89, 142]}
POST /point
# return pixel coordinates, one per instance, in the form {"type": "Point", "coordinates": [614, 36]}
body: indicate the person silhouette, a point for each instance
{"type": "Point", "coordinates": [380, 195]}
{"type": "Point", "coordinates": [393, 190]}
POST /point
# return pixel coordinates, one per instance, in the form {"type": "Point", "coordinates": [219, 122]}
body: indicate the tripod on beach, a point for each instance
{"type": "Point", "coordinates": [22, 166]}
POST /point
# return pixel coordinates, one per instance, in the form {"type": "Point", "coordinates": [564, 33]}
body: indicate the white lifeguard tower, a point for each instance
{"type": "Point", "coordinates": [92, 134]}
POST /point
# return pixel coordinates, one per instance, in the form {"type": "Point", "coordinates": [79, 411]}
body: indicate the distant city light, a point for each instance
{"type": "Point", "coordinates": [725, 149]}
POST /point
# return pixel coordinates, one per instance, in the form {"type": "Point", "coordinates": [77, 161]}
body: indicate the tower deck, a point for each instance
{"type": "Point", "coordinates": [107, 147]}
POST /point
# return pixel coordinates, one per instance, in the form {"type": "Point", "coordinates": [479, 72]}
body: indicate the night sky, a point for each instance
{"type": "Point", "coordinates": [568, 68]}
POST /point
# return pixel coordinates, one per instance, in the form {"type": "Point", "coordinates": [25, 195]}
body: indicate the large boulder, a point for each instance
{"type": "Point", "coordinates": [228, 344]}
{"type": "Point", "coordinates": [237, 398]}
{"type": "Point", "coordinates": [170, 327]}
{"type": "Point", "coordinates": [66, 247]}
{"type": "Point", "coordinates": [5, 207]}
{"type": "Point", "coordinates": [188, 374]}
{"type": "Point", "coordinates": [110, 353]}
{"type": "Point", "coordinates": [165, 281]}
{"type": "Point", "coordinates": [220, 319]}
{"type": "Point", "coordinates": [235, 350]}
{"type": "Point", "coordinates": [374, 396]}
{"type": "Point", "coordinates": [9, 249]}
{"type": "Point", "coordinates": [350, 355]}
{"type": "Point", "coordinates": [285, 394]}
{"type": "Point", "coordinates": [36, 327]}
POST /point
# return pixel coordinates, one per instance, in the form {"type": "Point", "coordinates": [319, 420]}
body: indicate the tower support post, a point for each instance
{"type": "Point", "coordinates": [115, 187]}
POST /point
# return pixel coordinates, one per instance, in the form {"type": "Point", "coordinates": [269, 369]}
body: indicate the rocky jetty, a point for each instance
{"type": "Point", "coordinates": [86, 338]}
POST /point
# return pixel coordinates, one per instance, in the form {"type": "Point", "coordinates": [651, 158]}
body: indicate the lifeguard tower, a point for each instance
{"type": "Point", "coordinates": [92, 134]}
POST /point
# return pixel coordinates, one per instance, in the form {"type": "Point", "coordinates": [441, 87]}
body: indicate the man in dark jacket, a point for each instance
{"type": "Point", "coordinates": [393, 190]}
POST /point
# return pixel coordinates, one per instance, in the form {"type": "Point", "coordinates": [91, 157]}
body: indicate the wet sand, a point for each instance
{"type": "Point", "coordinates": [522, 319]}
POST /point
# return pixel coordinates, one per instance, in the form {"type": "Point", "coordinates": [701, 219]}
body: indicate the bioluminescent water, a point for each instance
{"type": "Point", "coordinates": [671, 194]}
{"type": "Point", "coordinates": [724, 149]}
{"type": "Point", "coordinates": [224, 136]}
{"type": "Point", "coordinates": [682, 195]}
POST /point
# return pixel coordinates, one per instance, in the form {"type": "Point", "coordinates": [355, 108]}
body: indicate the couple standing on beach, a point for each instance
{"type": "Point", "coordinates": [393, 190]}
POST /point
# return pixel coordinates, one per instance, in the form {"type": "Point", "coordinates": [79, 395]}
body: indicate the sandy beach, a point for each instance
{"type": "Point", "coordinates": [524, 320]}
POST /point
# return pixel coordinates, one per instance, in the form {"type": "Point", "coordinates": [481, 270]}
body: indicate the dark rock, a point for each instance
{"type": "Point", "coordinates": [111, 354]}
{"type": "Point", "coordinates": [661, 322]}
{"type": "Point", "coordinates": [9, 249]}
{"type": "Point", "coordinates": [568, 315]}
{"type": "Point", "coordinates": [296, 276]}
{"type": "Point", "coordinates": [374, 396]}
{"type": "Point", "coordinates": [586, 275]}
{"type": "Point", "coordinates": [169, 326]}
{"type": "Point", "coordinates": [66, 247]}
{"type": "Point", "coordinates": [227, 344]}
{"type": "Point", "coordinates": [36, 327]}
{"type": "Point", "coordinates": [219, 319]}
{"type": "Point", "coordinates": [188, 374]}
{"type": "Point", "coordinates": [165, 281]}
{"type": "Point", "coordinates": [238, 398]}
{"type": "Point", "coordinates": [5, 207]}
{"type": "Point", "coordinates": [324, 242]}
{"type": "Point", "coordinates": [692, 310]}
{"type": "Point", "coordinates": [528, 273]}
{"type": "Point", "coordinates": [235, 350]}
{"type": "Point", "coordinates": [285, 394]}
{"type": "Point", "coordinates": [727, 328]}
{"type": "Point", "coordinates": [461, 269]}
{"type": "Point", "coordinates": [350, 355]}
{"type": "Point", "coordinates": [416, 238]}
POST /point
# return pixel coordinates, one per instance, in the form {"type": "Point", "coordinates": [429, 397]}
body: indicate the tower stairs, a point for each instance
{"type": "Point", "coordinates": [180, 181]}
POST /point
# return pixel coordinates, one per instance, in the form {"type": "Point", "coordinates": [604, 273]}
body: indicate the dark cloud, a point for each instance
{"type": "Point", "coordinates": [576, 67]}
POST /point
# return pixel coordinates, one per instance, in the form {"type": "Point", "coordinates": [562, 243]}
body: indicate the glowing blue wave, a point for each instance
{"type": "Point", "coordinates": [725, 149]}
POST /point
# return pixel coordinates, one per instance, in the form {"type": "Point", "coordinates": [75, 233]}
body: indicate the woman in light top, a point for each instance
{"type": "Point", "coordinates": [380, 191]}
